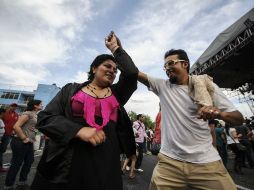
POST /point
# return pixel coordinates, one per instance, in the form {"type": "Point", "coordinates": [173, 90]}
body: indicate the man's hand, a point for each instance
{"type": "Point", "coordinates": [209, 112]}
{"type": "Point", "coordinates": [91, 135]}
{"type": "Point", "coordinates": [112, 42]}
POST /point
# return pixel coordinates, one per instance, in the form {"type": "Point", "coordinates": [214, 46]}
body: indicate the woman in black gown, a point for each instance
{"type": "Point", "coordinates": [88, 127]}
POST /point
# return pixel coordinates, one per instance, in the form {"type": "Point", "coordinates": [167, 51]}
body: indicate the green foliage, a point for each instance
{"type": "Point", "coordinates": [132, 115]}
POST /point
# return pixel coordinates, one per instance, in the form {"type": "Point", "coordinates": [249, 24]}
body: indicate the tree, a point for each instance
{"type": "Point", "coordinates": [148, 122]}
{"type": "Point", "coordinates": [132, 115]}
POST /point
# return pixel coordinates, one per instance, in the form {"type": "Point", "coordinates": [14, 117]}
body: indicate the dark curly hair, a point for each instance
{"type": "Point", "coordinates": [31, 104]}
{"type": "Point", "coordinates": [97, 61]}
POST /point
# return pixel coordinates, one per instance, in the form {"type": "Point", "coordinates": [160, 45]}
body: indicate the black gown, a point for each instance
{"type": "Point", "coordinates": [68, 163]}
{"type": "Point", "coordinates": [92, 167]}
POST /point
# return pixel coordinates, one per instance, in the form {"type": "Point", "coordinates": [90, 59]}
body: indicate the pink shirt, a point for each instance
{"type": "Point", "coordinates": [140, 127]}
{"type": "Point", "coordinates": [88, 106]}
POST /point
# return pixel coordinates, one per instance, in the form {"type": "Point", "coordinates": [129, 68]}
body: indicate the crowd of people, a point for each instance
{"type": "Point", "coordinates": [20, 132]}
{"type": "Point", "coordinates": [87, 129]}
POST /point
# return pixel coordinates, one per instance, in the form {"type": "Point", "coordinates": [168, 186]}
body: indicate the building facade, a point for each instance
{"type": "Point", "coordinates": [44, 92]}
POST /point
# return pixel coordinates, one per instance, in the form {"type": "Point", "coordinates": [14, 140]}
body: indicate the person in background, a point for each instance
{"type": "Point", "coordinates": [157, 130]}
{"type": "Point", "coordinates": [252, 138]}
{"type": "Point", "coordinates": [130, 162]}
{"type": "Point", "coordinates": [150, 134]}
{"type": "Point", "coordinates": [140, 127]}
{"type": "Point", "coordinates": [221, 142]}
{"type": "Point", "coordinates": [232, 140]}
{"type": "Point", "coordinates": [244, 139]}
{"type": "Point", "coordinates": [10, 118]}
{"type": "Point", "coordinates": [22, 146]}
{"type": "Point", "coordinates": [2, 130]}
{"type": "Point", "coordinates": [156, 144]}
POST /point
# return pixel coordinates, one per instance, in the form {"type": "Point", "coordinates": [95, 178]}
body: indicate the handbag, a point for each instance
{"type": "Point", "coordinates": [241, 147]}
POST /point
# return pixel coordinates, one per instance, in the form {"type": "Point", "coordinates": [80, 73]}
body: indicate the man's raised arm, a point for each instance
{"type": "Point", "coordinates": [142, 77]}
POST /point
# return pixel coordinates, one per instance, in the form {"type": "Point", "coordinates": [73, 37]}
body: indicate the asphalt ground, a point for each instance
{"type": "Point", "coordinates": [142, 180]}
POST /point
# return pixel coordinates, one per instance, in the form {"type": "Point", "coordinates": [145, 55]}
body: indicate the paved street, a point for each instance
{"type": "Point", "coordinates": [141, 182]}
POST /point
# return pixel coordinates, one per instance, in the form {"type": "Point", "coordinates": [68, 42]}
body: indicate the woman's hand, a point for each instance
{"type": "Point", "coordinates": [91, 135]}
{"type": "Point", "coordinates": [209, 112]}
{"type": "Point", "coordinates": [112, 42]}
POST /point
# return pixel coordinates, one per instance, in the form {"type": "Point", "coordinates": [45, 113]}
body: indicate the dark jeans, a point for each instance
{"type": "Point", "coordinates": [223, 154]}
{"type": "Point", "coordinates": [238, 155]}
{"type": "Point", "coordinates": [22, 155]}
{"type": "Point", "coordinates": [247, 153]}
{"type": "Point", "coordinates": [140, 155]}
{"type": "Point", "coordinates": [3, 146]}
{"type": "Point", "coordinates": [148, 144]}
{"type": "Point", "coordinates": [144, 146]}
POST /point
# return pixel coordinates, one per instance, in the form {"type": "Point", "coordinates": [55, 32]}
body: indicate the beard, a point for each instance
{"type": "Point", "coordinates": [173, 79]}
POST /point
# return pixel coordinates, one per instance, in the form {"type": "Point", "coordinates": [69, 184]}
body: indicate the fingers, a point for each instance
{"type": "Point", "coordinates": [92, 141]}
{"type": "Point", "coordinates": [101, 135]}
{"type": "Point", "coordinates": [85, 133]}
{"type": "Point", "coordinates": [98, 138]}
{"type": "Point", "coordinates": [109, 37]}
{"type": "Point", "coordinates": [208, 112]}
{"type": "Point", "coordinates": [112, 42]}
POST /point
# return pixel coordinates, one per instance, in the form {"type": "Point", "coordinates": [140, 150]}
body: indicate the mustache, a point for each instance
{"type": "Point", "coordinates": [169, 70]}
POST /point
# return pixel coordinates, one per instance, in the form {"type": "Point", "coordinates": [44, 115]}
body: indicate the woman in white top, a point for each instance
{"type": "Point", "coordinates": [22, 146]}
{"type": "Point", "coordinates": [232, 140]}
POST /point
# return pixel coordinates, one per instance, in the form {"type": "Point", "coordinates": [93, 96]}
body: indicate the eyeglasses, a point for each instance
{"type": "Point", "coordinates": [171, 63]}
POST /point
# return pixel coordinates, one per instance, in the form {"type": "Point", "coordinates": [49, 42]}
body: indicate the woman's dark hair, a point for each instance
{"type": "Point", "coordinates": [97, 61]}
{"type": "Point", "coordinates": [181, 55]}
{"type": "Point", "coordinates": [31, 104]}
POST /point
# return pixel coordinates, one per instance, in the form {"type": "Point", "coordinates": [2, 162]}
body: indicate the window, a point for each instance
{"type": "Point", "coordinates": [27, 99]}
{"type": "Point", "coordinates": [10, 95]}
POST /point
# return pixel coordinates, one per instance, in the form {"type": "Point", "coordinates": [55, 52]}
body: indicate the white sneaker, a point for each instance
{"type": "Point", "coordinates": [127, 168]}
{"type": "Point", "coordinates": [139, 170]}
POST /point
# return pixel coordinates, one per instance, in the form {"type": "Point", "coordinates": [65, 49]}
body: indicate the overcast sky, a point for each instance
{"type": "Point", "coordinates": [54, 41]}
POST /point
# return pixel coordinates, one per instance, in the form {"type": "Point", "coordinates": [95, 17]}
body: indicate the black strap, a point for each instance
{"type": "Point", "coordinates": [139, 126]}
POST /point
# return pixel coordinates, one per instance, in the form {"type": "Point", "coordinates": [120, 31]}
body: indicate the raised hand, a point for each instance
{"type": "Point", "coordinates": [112, 42]}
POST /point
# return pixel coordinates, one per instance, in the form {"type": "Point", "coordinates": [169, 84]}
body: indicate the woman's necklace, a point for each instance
{"type": "Point", "coordinates": [92, 89]}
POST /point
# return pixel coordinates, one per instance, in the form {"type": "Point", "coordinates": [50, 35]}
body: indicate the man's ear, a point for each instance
{"type": "Point", "coordinates": [186, 64]}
